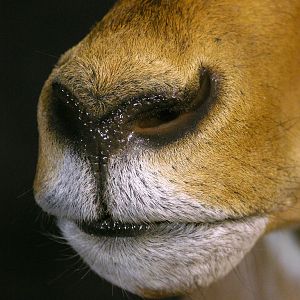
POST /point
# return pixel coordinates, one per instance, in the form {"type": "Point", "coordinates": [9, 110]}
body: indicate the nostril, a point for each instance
{"type": "Point", "coordinates": [67, 116]}
{"type": "Point", "coordinates": [157, 118]}
{"type": "Point", "coordinates": [171, 119]}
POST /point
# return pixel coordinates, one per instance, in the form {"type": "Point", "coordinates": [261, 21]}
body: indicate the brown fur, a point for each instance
{"type": "Point", "coordinates": [245, 155]}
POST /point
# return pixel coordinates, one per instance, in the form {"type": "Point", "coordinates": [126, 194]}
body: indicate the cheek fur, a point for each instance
{"type": "Point", "coordinates": [138, 193]}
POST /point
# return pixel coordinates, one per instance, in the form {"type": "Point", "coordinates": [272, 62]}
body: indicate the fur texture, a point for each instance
{"type": "Point", "coordinates": [172, 260]}
{"type": "Point", "coordinates": [236, 172]}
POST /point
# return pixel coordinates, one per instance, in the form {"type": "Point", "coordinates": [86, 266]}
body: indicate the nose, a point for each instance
{"type": "Point", "coordinates": [169, 120]}
{"type": "Point", "coordinates": [155, 119]}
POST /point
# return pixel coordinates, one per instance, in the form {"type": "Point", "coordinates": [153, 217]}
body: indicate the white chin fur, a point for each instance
{"type": "Point", "coordinates": [171, 261]}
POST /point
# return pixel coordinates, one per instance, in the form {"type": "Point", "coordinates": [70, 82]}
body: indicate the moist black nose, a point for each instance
{"type": "Point", "coordinates": [168, 119]}
{"type": "Point", "coordinates": [154, 118]}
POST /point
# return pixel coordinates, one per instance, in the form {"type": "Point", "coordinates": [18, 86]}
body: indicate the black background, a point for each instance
{"type": "Point", "coordinates": [32, 265]}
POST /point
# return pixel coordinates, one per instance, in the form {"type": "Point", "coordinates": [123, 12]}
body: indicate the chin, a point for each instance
{"type": "Point", "coordinates": [165, 258]}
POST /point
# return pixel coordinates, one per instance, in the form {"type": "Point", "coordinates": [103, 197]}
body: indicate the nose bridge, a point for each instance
{"type": "Point", "coordinates": [97, 136]}
{"type": "Point", "coordinates": [155, 116]}
{"type": "Point", "coordinates": [102, 137]}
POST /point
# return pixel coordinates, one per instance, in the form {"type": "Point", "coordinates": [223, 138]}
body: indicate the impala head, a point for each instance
{"type": "Point", "coordinates": [169, 139]}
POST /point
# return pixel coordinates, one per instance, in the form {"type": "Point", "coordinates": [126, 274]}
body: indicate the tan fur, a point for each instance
{"type": "Point", "coordinates": [246, 154]}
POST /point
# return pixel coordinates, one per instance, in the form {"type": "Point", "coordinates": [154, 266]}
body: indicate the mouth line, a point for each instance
{"type": "Point", "coordinates": [111, 228]}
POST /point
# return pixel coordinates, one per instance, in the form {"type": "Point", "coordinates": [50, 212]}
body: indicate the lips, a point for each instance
{"type": "Point", "coordinates": [113, 228]}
